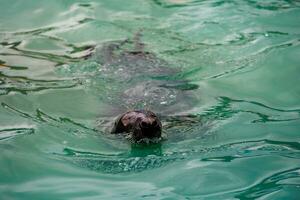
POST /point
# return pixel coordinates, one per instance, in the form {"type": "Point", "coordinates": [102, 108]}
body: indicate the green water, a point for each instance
{"type": "Point", "coordinates": [56, 105]}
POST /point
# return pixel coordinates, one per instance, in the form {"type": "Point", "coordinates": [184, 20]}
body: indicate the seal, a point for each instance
{"type": "Point", "coordinates": [144, 84]}
{"type": "Point", "coordinates": [140, 124]}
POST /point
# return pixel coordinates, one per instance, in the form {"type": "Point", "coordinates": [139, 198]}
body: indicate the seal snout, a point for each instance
{"type": "Point", "coordinates": [140, 124]}
{"type": "Point", "coordinates": [148, 123]}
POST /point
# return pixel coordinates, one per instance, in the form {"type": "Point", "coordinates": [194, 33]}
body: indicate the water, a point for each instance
{"type": "Point", "coordinates": [236, 137]}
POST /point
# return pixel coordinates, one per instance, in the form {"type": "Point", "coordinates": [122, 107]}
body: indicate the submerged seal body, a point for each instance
{"type": "Point", "coordinates": [144, 82]}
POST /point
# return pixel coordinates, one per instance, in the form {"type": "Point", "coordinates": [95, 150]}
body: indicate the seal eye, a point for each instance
{"type": "Point", "coordinates": [152, 115]}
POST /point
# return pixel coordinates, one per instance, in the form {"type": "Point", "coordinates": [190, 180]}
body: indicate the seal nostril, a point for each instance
{"type": "Point", "coordinates": [144, 124]}
{"type": "Point", "coordinates": [154, 123]}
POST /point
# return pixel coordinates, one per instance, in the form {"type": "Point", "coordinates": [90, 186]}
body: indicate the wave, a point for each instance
{"type": "Point", "coordinates": [141, 158]}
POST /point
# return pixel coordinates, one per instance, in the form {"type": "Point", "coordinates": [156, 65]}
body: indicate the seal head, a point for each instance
{"type": "Point", "coordinates": [141, 124]}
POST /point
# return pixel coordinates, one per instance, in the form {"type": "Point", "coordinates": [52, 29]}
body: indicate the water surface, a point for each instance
{"type": "Point", "coordinates": [240, 141]}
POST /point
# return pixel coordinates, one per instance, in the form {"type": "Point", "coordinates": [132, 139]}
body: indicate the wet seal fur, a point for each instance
{"type": "Point", "coordinates": [139, 124]}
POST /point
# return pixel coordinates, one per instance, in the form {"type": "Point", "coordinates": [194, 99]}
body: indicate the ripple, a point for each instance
{"type": "Point", "coordinates": [26, 85]}
{"type": "Point", "coordinates": [247, 63]}
{"type": "Point", "coordinates": [150, 157]}
{"type": "Point", "coordinates": [273, 5]}
{"type": "Point", "coordinates": [209, 40]}
{"type": "Point", "coordinates": [224, 110]}
{"type": "Point", "coordinates": [64, 123]}
{"type": "Point", "coordinates": [255, 148]}
{"type": "Point", "coordinates": [14, 40]}
{"type": "Point", "coordinates": [77, 53]}
{"type": "Point", "coordinates": [118, 163]}
{"type": "Point", "coordinates": [171, 3]}
{"type": "Point", "coordinates": [275, 182]}
{"type": "Point", "coordinates": [9, 133]}
{"type": "Point", "coordinates": [88, 187]}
